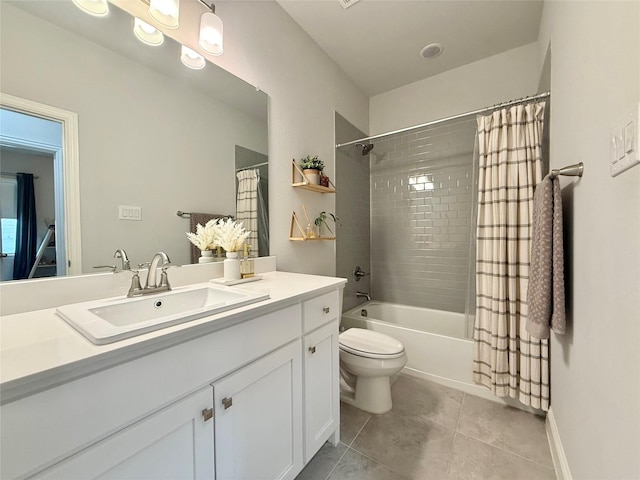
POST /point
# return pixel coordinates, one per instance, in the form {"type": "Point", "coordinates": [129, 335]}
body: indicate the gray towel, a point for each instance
{"type": "Point", "coordinates": [545, 294]}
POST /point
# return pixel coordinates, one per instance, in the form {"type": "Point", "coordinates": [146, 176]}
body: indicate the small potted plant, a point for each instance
{"type": "Point", "coordinates": [311, 167]}
{"type": "Point", "coordinates": [321, 221]}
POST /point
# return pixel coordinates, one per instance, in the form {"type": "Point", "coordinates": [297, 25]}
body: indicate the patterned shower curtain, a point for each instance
{"type": "Point", "coordinates": [507, 360]}
{"type": "Point", "coordinates": [247, 204]}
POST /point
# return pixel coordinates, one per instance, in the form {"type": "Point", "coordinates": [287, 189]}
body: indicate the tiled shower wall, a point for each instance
{"type": "Point", "coordinates": [422, 188]}
{"type": "Point", "coordinates": [354, 210]}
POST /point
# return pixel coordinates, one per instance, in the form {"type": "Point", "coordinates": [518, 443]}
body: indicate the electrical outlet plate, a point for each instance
{"type": "Point", "coordinates": [625, 144]}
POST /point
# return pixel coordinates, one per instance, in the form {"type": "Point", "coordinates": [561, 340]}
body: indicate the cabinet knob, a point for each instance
{"type": "Point", "coordinates": [312, 350]}
{"type": "Point", "coordinates": [207, 414]}
{"type": "Point", "coordinates": [326, 309]}
{"type": "Point", "coordinates": [227, 402]}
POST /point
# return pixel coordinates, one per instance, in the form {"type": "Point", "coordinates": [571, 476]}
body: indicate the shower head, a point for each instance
{"type": "Point", "coordinates": [366, 148]}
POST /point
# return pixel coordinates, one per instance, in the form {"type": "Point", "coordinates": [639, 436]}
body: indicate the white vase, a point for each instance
{"type": "Point", "coordinates": [232, 266]}
{"type": "Point", "coordinates": [206, 256]}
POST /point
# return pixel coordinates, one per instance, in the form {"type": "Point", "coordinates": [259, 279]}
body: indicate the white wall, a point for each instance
{"type": "Point", "coordinates": [496, 79]}
{"type": "Point", "coordinates": [265, 47]}
{"type": "Point", "coordinates": [145, 139]}
{"type": "Point", "coordinates": [595, 367]}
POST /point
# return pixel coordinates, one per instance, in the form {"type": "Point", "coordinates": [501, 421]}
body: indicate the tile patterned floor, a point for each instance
{"type": "Point", "coordinates": [435, 432]}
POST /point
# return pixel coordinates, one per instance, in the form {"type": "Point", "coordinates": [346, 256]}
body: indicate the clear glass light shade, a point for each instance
{"type": "Point", "coordinates": [192, 59]}
{"type": "Point", "coordinates": [146, 33]}
{"type": "Point", "coordinates": [165, 12]}
{"type": "Point", "coordinates": [211, 33]}
{"type": "Point", "coordinates": [97, 8]}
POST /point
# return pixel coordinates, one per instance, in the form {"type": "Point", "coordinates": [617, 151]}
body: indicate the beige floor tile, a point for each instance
{"type": "Point", "coordinates": [427, 400]}
{"type": "Point", "coordinates": [477, 460]}
{"type": "Point", "coordinates": [355, 466]}
{"type": "Point", "coordinates": [410, 446]}
{"type": "Point", "coordinates": [508, 428]}
{"type": "Point", "coordinates": [351, 422]}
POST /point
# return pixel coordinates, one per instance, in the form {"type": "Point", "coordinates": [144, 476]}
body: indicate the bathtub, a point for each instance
{"type": "Point", "coordinates": [433, 339]}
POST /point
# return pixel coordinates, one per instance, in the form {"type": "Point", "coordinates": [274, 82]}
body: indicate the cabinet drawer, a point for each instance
{"type": "Point", "coordinates": [320, 310]}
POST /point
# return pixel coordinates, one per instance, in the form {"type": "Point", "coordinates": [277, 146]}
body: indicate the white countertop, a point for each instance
{"type": "Point", "coordinates": [38, 349]}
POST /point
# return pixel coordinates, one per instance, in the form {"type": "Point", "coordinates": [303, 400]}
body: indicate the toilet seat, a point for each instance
{"type": "Point", "coordinates": [370, 344]}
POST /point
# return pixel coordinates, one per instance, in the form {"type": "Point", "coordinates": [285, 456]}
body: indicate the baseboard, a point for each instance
{"type": "Point", "coordinates": [560, 463]}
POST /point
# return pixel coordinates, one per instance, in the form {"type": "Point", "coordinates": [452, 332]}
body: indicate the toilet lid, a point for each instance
{"type": "Point", "coordinates": [367, 342]}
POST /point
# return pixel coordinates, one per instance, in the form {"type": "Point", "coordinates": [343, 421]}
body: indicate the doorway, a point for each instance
{"type": "Point", "coordinates": [41, 140]}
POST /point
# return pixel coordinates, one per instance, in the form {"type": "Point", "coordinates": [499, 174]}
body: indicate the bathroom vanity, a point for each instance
{"type": "Point", "coordinates": [248, 393]}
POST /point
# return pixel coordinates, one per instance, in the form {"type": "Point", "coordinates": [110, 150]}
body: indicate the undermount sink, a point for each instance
{"type": "Point", "coordinates": [110, 320]}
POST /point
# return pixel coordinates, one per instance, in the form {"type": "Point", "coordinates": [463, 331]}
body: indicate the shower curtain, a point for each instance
{"type": "Point", "coordinates": [247, 204]}
{"type": "Point", "coordinates": [507, 360]}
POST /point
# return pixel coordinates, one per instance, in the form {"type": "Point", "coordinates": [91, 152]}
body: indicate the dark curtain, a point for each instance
{"type": "Point", "coordinates": [26, 231]}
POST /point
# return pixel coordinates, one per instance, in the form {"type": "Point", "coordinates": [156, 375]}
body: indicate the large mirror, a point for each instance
{"type": "Point", "coordinates": [153, 134]}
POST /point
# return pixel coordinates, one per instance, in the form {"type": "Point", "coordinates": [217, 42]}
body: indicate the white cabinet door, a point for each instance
{"type": "Point", "coordinates": [176, 442]}
{"type": "Point", "coordinates": [321, 387]}
{"type": "Point", "coordinates": [259, 418]}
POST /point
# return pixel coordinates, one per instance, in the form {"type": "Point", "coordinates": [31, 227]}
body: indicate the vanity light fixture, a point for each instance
{"type": "Point", "coordinates": [165, 12]}
{"type": "Point", "coordinates": [211, 32]}
{"type": "Point", "coordinates": [97, 8]}
{"type": "Point", "coordinates": [146, 33]}
{"type": "Point", "coordinates": [192, 59]}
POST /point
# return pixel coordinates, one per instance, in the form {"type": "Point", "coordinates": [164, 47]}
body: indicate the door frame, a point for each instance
{"type": "Point", "coordinates": [66, 173]}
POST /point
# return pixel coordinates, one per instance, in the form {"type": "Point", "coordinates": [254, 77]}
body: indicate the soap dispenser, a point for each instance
{"type": "Point", "coordinates": [246, 264]}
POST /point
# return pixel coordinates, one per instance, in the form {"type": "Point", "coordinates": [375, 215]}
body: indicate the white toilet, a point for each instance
{"type": "Point", "coordinates": [368, 359]}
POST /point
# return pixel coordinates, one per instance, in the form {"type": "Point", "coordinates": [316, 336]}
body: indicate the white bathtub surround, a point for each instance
{"type": "Point", "coordinates": [507, 360]}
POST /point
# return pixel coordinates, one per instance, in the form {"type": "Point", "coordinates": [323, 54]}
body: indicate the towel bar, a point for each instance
{"type": "Point", "coordinates": [575, 170]}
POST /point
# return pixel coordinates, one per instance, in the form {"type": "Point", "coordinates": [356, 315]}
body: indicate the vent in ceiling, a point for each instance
{"type": "Point", "coordinates": [347, 3]}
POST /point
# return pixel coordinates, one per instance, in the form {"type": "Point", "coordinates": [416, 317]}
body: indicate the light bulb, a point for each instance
{"type": "Point", "coordinates": [97, 8]}
{"type": "Point", "coordinates": [192, 59]}
{"type": "Point", "coordinates": [165, 12]}
{"type": "Point", "coordinates": [146, 33]}
{"type": "Point", "coordinates": [211, 33]}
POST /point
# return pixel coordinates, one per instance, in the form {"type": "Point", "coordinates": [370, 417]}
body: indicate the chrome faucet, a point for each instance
{"type": "Point", "coordinates": [364, 295]}
{"type": "Point", "coordinates": [153, 267]}
{"type": "Point", "coordinates": [161, 260]}
{"type": "Point", "coordinates": [120, 253]}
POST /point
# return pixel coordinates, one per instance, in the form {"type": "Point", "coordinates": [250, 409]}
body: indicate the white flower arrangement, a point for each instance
{"type": "Point", "coordinates": [230, 234]}
{"type": "Point", "coordinates": [205, 237]}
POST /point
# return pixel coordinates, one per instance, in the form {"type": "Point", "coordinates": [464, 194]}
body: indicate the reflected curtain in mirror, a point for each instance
{"type": "Point", "coordinates": [26, 231]}
{"type": "Point", "coordinates": [247, 204]}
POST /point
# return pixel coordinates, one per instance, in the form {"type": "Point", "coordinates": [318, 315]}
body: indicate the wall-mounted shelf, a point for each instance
{"type": "Point", "coordinates": [300, 180]}
{"type": "Point", "coordinates": [303, 236]}
{"type": "Point", "coordinates": [304, 239]}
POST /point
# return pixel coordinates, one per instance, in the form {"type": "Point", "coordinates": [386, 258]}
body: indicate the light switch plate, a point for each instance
{"type": "Point", "coordinates": [127, 212]}
{"type": "Point", "coordinates": [625, 144]}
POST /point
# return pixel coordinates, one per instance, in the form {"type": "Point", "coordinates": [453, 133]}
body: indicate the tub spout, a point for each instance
{"type": "Point", "coordinates": [363, 295]}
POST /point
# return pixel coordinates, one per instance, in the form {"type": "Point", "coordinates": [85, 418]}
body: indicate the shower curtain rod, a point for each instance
{"type": "Point", "coordinates": [441, 120]}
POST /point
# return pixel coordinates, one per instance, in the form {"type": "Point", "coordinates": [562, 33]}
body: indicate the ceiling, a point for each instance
{"type": "Point", "coordinates": [377, 43]}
